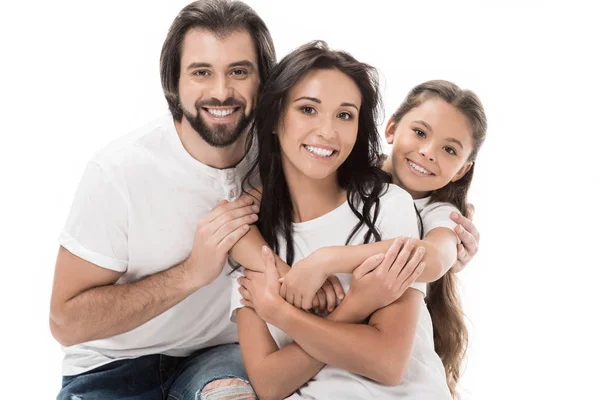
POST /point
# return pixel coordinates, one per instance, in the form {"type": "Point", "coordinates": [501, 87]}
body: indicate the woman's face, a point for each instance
{"type": "Point", "coordinates": [430, 147]}
{"type": "Point", "coordinates": [319, 124]}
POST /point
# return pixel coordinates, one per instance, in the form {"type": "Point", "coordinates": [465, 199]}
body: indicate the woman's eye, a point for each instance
{"type": "Point", "coordinates": [450, 150]}
{"type": "Point", "coordinates": [308, 110]}
{"type": "Point", "coordinates": [345, 115]}
{"type": "Point", "coordinates": [419, 132]}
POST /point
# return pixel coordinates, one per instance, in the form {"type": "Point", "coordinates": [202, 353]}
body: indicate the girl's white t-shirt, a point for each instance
{"type": "Point", "coordinates": [424, 377]}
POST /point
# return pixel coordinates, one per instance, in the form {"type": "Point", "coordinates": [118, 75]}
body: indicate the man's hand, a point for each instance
{"type": "Point", "coordinates": [469, 237]}
{"type": "Point", "coordinates": [381, 280]}
{"type": "Point", "coordinates": [260, 290]}
{"type": "Point", "coordinates": [307, 285]}
{"type": "Point", "coordinates": [215, 236]}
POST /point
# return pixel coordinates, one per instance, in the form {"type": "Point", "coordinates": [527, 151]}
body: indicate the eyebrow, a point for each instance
{"type": "Point", "coordinates": [319, 101]}
{"type": "Point", "coordinates": [242, 63]}
{"type": "Point", "coordinates": [451, 140]}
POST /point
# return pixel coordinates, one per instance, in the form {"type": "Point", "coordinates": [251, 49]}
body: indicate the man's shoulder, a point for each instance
{"type": "Point", "coordinates": [137, 146]}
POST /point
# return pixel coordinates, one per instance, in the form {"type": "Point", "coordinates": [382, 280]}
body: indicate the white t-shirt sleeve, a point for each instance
{"type": "Point", "coordinates": [236, 297]}
{"type": "Point", "coordinates": [437, 215]}
{"type": "Point", "coordinates": [96, 228]}
{"type": "Point", "coordinates": [398, 217]}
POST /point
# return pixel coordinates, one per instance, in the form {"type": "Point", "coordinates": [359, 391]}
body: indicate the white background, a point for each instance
{"type": "Point", "coordinates": [75, 75]}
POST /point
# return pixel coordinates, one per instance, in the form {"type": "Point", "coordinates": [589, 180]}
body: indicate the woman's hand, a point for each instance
{"type": "Point", "coordinates": [261, 289]}
{"type": "Point", "coordinates": [307, 285]}
{"type": "Point", "coordinates": [469, 237]}
{"type": "Point", "coordinates": [383, 279]}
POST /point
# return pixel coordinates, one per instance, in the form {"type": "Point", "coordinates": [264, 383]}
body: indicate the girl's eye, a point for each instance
{"type": "Point", "coordinates": [345, 115]}
{"type": "Point", "coordinates": [419, 132]}
{"type": "Point", "coordinates": [450, 150]}
{"type": "Point", "coordinates": [308, 110]}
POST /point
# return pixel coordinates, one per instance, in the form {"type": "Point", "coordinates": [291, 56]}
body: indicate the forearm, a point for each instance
{"type": "Point", "coordinates": [340, 344]}
{"type": "Point", "coordinates": [248, 252]}
{"type": "Point", "coordinates": [345, 259]}
{"type": "Point", "coordinates": [269, 367]}
{"type": "Point", "coordinates": [110, 310]}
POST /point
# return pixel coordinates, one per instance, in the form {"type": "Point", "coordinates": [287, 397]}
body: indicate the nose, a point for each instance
{"type": "Point", "coordinates": [221, 89]}
{"type": "Point", "coordinates": [427, 151]}
{"type": "Point", "coordinates": [326, 129]}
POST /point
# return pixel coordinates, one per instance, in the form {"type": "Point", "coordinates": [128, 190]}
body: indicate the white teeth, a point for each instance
{"type": "Point", "coordinates": [319, 151]}
{"type": "Point", "coordinates": [418, 168]}
{"type": "Point", "coordinates": [220, 113]}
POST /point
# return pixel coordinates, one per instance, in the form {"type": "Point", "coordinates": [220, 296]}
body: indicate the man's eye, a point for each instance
{"type": "Point", "coordinates": [201, 72]}
{"type": "Point", "coordinates": [239, 72]}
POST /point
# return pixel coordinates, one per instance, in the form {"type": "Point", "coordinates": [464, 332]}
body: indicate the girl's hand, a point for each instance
{"type": "Point", "coordinates": [261, 289]}
{"type": "Point", "coordinates": [469, 236]}
{"type": "Point", "coordinates": [307, 285]}
{"type": "Point", "coordinates": [383, 279]}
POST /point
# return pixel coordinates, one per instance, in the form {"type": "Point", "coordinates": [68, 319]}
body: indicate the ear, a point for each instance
{"type": "Point", "coordinates": [390, 129]}
{"type": "Point", "coordinates": [461, 172]}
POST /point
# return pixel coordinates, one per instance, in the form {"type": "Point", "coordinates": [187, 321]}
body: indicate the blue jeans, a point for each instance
{"type": "Point", "coordinates": [156, 377]}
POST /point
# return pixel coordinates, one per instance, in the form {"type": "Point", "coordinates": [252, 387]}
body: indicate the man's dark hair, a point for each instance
{"type": "Point", "coordinates": [221, 17]}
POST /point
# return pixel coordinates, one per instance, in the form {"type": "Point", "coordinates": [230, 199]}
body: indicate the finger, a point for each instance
{"type": "Point", "coordinates": [315, 302]}
{"type": "Point", "coordinates": [283, 289]}
{"type": "Point", "coordinates": [462, 254]}
{"type": "Point", "coordinates": [401, 272]}
{"type": "Point", "coordinates": [470, 211]}
{"type": "Point", "coordinates": [223, 227]}
{"type": "Point", "coordinates": [469, 242]}
{"type": "Point", "coordinates": [245, 282]}
{"type": "Point", "coordinates": [307, 303]}
{"type": "Point", "coordinates": [466, 223]}
{"type": "Point", "coordinates": [402, 258]}
{"type": "Point", "coordinates": [458, 266]}
{"type": "Point", "coordinates": [247, 303]}
{"type": "Point", "coordinates": [225, 206]}
{"type": "Point", "coordinates": [368, 265]}
{"type": "Point", "coordinates": [297, 301]}
{"type": "Point", "coordinates": [330, 295]}
{"type": "Point", "coordinates": [245, 293]}
{"type": "Point", "coordinates": [411, 278]}
{"type": "Point", "coordinates": [322, 299]}
{"type": "Point", "coordinates": [337, 286]}
{"type": "Point", "coordinates": [230, 240]}
{"type": "Point", "coordinates": [392, 254]}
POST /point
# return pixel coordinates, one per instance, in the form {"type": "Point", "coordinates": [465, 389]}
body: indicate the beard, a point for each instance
{"type": "Point", "coordinates": [220, 135]}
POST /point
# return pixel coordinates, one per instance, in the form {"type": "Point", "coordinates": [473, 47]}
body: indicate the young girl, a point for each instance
{"type": "Point", "coordinates": [317, 151]}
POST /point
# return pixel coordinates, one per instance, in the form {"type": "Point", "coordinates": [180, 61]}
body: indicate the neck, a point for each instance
{"type": "Point", "coordinates": [387, 167]}
{"type": "Point", "coordinates": [216, 157]}
{"type": "Point", "coordinates": [313, 198]}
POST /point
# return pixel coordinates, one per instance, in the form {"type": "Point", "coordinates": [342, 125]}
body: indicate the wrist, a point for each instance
{"type": "Point", "coordinates": [326, 257]}
{"type": "Point", "coordinates": [359, 308]}
{"type": "Point", "coordinates": [277, 310]}
{"type": "Point", "coordinates": [190, 282]}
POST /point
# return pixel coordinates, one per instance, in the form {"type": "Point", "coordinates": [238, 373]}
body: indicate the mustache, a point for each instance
{"type": "Point", "coordinates": [213, 102]}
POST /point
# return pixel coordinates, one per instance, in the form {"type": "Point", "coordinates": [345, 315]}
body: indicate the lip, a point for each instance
{"type": "Point", "coordinates": [318, 157]}
{"type": "Point", "coordinates": [418, 173]}
{"type": "Point", "coordinates": [220, 120]}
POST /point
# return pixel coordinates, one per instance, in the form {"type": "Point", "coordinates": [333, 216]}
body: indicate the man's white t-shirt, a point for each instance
{"type": "Point", "coordinates": [424, 377]}
{"type": "Point", "coordinates": [135, 211]}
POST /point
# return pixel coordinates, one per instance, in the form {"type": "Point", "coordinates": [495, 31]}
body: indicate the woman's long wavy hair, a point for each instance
{"type": "Point", "coordinates": [358, 174]}
{"type": "Point", "coordinates": [443, 301]}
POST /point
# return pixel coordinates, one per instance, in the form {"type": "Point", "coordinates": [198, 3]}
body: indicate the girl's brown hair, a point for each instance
{"type": "Point", "coordinates": [443, 302]}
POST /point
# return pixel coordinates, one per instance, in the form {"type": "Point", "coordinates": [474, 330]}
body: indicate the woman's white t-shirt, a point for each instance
{"type": "Point", "coordinates": [424, 377]}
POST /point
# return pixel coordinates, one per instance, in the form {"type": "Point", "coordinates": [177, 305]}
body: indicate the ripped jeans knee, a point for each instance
{"type": "Point", "coordinates": [227, 389]}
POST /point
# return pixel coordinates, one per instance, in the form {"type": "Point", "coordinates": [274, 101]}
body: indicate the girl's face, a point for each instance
{"type": "Point", "coordinates": [431, 145]}
{"type": "Point", "coordinates": [319, 124]}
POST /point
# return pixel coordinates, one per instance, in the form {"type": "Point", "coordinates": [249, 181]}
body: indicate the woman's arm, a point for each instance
{"type": "Point", "coordinates": [268, 367]}
{"type": "Point", "coordinates": [388, 337]}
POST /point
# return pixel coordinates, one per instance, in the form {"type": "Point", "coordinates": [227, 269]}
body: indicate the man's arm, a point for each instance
{"type": "Point", "coordinates": [86, 303]}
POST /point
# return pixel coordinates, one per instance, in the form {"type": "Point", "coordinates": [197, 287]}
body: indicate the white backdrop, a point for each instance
{"type": "Point", "coordinates": [76, 75]}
